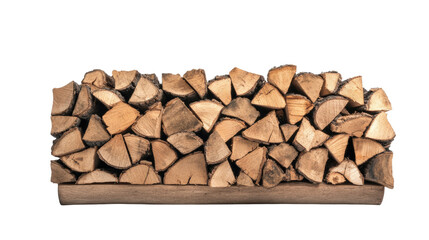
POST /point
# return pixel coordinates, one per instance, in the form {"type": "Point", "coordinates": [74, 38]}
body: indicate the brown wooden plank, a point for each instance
{"type": "Point", "coordinates": [305, 193]}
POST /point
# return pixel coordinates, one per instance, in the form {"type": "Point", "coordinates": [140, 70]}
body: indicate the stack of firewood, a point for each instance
{"type": "Point", "coordinates": [236, 129]}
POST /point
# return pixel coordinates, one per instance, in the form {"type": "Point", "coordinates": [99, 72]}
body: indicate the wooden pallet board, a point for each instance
{"type": "Point", "coordinates": [291, 193]}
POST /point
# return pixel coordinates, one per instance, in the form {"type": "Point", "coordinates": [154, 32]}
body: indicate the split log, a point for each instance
{"type": "Point", "coordinates": [288, 130]}
{"type": "Point", "coordinates": [281, 77]}
{"type": "Point", "coordinates": [196, 78]}
{"type": "Point", "coordinates": [147, 92]}
{"type": "Point", "coordinates": [69, 142]}
{"type": "Point", "coordinates": [242, 109]}
{"type": "Point", "coordinates": [337, 146]}
{"type": "Point", "coordinates": [108, 97]}
{"type": "Point", "coordinates": [83, 161]}
{"type": "Point", "coordinates": [60, 124]}
{"type": "Point", "coordinates": [138, 147]}
{"type": "Point", "coordinates": [97, 78]}
{"type": "Point", "coordinates": [222, 176]}
{"type": "Point", "coordinates": [335, 178]}
{"type": "Point", "coordinates": [327, 109]}
{"type": "Point", "coordinates": [365, 149]}
{"type": "Point", "coordinates": [272, 174]}
{"type": "Point", "coordinates": [64, 99]}
{"type": "Point", "coordinates": [61, 174]}
{"type": "Point", "coordinates": [140, 174]}
{"type": "Point", "coordinates": [297, 106]}
{"type": "Point", "coordinates": [114, 153]}
{"type": "Point", "coordinates": [244, 180]}
{"type": "Point", "coordinates": [349, 170]}
{"type": "Point", "coordinates": [309, 84]}
{"type": "Point", "coordinates": [228, 128]}
{"type": "Point", "coordinates": [125, 81]}
{"type": "Point", "coordinates": [190, 169]}
{"type": "Point", "coordinates": [241, 147]}
{"type": "Point", "coordinates": [305, 136]}
{"type": "Point", "coordinates": [146, 162]}
{"type": "Point", "coordinates": [292, 175]}
{"type": "Point", "coordinates": [185, 142]}
{"type": "Point", "coordinates": [220, 87]}
{"type": "Point", "coordinates": [163, 154]}
{"type": "Point", "coordinates": [85, 104]}
{"type": "Point", "coordinates": [95, 134]}
{"type": "Point", "coordinates": [269, 97]}
{"type": "Point", "coordinates": [319, 138]}
{"type": "Point", "coordinates": [353, 90]}
{"type": "Point", "coordinates": [266, 130]}
{"type": "Point", "coordinates": [380, 128]}
{"type": "Point", "coordinates": [207, 111]}
{"type": "Point", "coordinates": [312, 164]}
{"type": "Point", "coordinates": [283, 153]}
{"type": "Point", "coordinates": [244, 83]}
{"type": "Point", "coordinates": [252, 163]}
{"type": "Point", "coordinates": [354, 124]}
{"type": "Point", "coordinates": [149, 125]}
{"type": "Point", "coordinates": [176, 86]}
{"type": "Point", "coordinates": [215, 149]}
{"type": "Point", "coordinates": [379, 169]}
{"type": "Point", "coordinates": [178, 118]}
{"type": "Point", "coordinates": [97, 176]}
{"type": "Point", "coordinates": [376, 100]}
{"type": "Point", "coordinates": [331, 81]}
{"type": "Point", "coordinates": [120, 118]}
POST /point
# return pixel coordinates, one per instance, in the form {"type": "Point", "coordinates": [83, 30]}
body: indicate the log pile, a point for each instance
{"type": "Point", "coordinates": [236, 129]}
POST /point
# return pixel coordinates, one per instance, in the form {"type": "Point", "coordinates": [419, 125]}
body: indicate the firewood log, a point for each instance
{"type": "Point", "coordinates": [312, 164]}
{"type": "Point", "coordinates": [207, 111]}
{"type": "Point", "coordinates": [365, 149]}
{"type": "Point", "coordinates": [304, 138]}
{"type": "Point", "coordinates": [319, 138]}
{"type": "Point", "coordinates": [272, 174]}
{"type": "Point", "coordinates": [84, 106]}
{"type": "Point", "coordinates": [337, 146]}
{"type": "Point", "coordinates": [283, 153]}
{"type": "Point", "coordinates": [83, 161]}
{"type": "Point", "coordinates": [331, 81]}
{"type": "Point", "coordinates": [222, 175]}
{"type": "Point", "coordinates": [269, 97]}
{"type": "Point", "coordinates": [215, 149]}
{"type": "Point", "coordinates": [61, 124]}
{"type": "Point", "coordinates": [220, 87]}
{"type": "Point", "coordinates": [98, 78]}
{"type": "Point", "coordinates": [61, 174]}
{"type": "Point", "coordinates": [163, 154]}
{"type": "Point", "coordinates": [138, 147]}
{"type": "Point", "coordinates": [64, 99]}
{"type": "Point", "coordinates": [335, 178]}
{"type": "Point", "coordinates": [242, 109]}
{"type": "Point", "coordinates": [147, 92]}
{"type": "Point", "coordinates": [244, 180]}
{"type": "Point", "coordinates": [353, 90]}
{"type": "Point", "coordinates": [380, 128]}
{"type": "Point", "coordinates": [376, 100]}
{"type": "Point", "coordinates": [379, 169]}
{"type": "Point", "coordinates": [327, 109]}
{"type": "Point", "coordinates": [140, 174]}
{"type": "Point", "coordinates": [185, 142]}
{"type": "Point", "coordinates": [281, 77]}
{"type": "Point", "coordinates": [292, 175]}
{"type": "Point", "coordinates": [108, 97]}
{"type": "Point", "coordinates": [266, 130]}
{"type": "Point", "coordinates": [309, 84]}
{"type": "Point", "coordinates": [241, 147]}
{"type": "Point", "coordinates": [149, 125]}
{"type": "Point", "coordinates": [114, 153]}
{"type": "Point", "coordinates": [178, 118]}
{"type": "Point", "coordinates": [354, 124]}
{"type": "Point", "coordinates": [196, 78]}
{"type": "Point", "coordinates": [252, 163]}
{"type": "Point", "coordinates": [297, 106]}
{"type": "Point", "coordinates": [190, 169]}
{"type": "Point", "coordinates": [95, 134]}
{"type": "Point", "coordinates": [97, 176]}
{"type": "Point", "coordinates": [288, 130]}
{"type": "Point", "coordinates": [349, 170]}
{"type": "Point", "coordinates": [228, 128]}
{"type": "Point", "coordinates": [175, 86]}
{"type": "Point", "coordinates": [120, 118]}
{"type": "Point", "coordinates": [245, 83]}
{"type": "Point", "coordinates": [125, 81]}
{"type": "Point", "coordinates": [69, 142]}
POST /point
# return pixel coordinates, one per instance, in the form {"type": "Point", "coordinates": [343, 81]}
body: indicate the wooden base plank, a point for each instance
{"type": "Point", "coordinates": [292, 193]}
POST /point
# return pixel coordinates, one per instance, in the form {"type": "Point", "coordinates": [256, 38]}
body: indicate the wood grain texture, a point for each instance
{"type": "Point", "coordinates": [296, 192]}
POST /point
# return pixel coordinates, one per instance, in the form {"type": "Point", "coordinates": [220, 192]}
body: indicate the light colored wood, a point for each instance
{"type": "Point", "coordinates": [61, 174]}
{"type": "Point", "coordinates": [252, 163]}
{"type": "Point", "coordinates": [189, 170]}
{"type": "Point", "coordinates": [312, 164]}
{"type": "Point", "coordinates": [376, 100]}
{"type": "Point", "coordinates": [215, 149]}
{"type": "Point", "coordinates": [288, 130]}
{"type": "Point", "coordinates": [272, 174]}
{"type": "Point", "coordinates": [241, 147]}
{"type": "Point", "coordinates": [292, 175]}
{"type": "Point", "coordinates": [178, 118]}
{"type": "Point", "coordinates": [244, 180]}
{"type": "Point", "coordinates": [337, 146]}
{"type": "Point", "coordinates": [309, 84]}
{"type": "Point", "coordinates": [281, 77]}
{"type": "Point", "coordinates": [114, 153]}
{"type": "Point", "coordinates": [120, 118]}
{"type": "Point", "coordinates": [140, 174]}
{"type": "Point", "coordinates": [269, 97]}
{"type": "Point", "coordinates": [297, 106]}
{"type": "Point", "coordinates": [185, 142]}
{"type": "Point", "coordinates": [304, 138]}
{"type": "Point", "coordinates": [60, 124]}
{"type": "Point", "coordinates": [380, 129]}
{"type": "Point", "coordinates": [366, 149]}
{"type": "Point", "coordinates": [83, 161]}
{"type": "Point", "coordinates": [222, 176]}
{"type": "Point", "coordinates": [220, 87]}
{"type": "Point", "coordinates": [242, 109]}
{"type": "Point", "coordinates": [283, 154]}
{"type": "Point", "coordinates": [163, 154]}
{"type": "Point", "coordinates": [125, 80]}
{"type": "Point", "coordinates": [350, 171]}
{"type": "Point", "coordinates": [149, 124]}
{"type": "Point", "coordinates": [97, 78]}
{"type": "Point", "coordinates": [97, 176]}
{"type": "Point", "coordinates": [266, 130]}
{"type": "Point", "coordinates": [95, 134]}
{"type": "Point", "coordinates": [69, 142]}
{"type": "Point", "coordinates": [64, 98]}
{"type": "Point", "coordinates": [207, 111]}
{"type": "Point", "coordinates": [147, 92]}
{"type": "Point", "coordinates": [319, 138]}
{"type": "Point", "coordinates": [244, 82]}
{"type": "Point", "coordinates": [353, 90]}
{"type": "Point", "coordinates": [108, 97]}
{"type": "Point", "coordinates": [354, 124]}
{"type": "Point", "coordinates": [196, 78]}
{"type": "Point", "coordinates": [138, 147]}
{"type": "Point", "coordinates": [379, 169]}
{"type": "Point", "coordinates": [331, 81]}
{"type": "Point", "coordinates": [327, 109]}
{"type": "Point", "coordinates": [228, 128]}
{"type": "Point", "coordinates": [176, 86]}
{"type": "Point", "coordinates": [303, 193]}
{"type": "Point", "coordinates": [335, 178]}
{"type": "Point", "coordinates": [85, 104]}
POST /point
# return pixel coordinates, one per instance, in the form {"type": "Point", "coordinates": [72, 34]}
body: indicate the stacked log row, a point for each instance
{"type": "Point", "coordinates": [236, 129]}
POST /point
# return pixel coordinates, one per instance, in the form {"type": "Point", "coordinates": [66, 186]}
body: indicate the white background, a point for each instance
{"type": "Point", "coordinates": [46, 44]}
